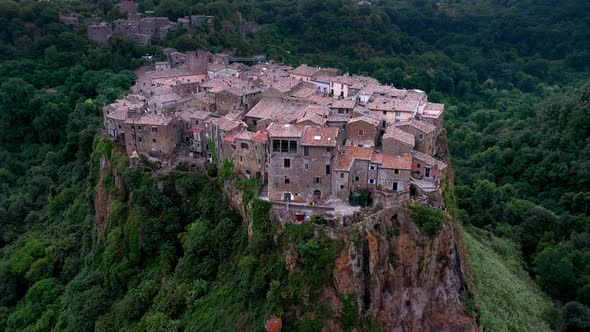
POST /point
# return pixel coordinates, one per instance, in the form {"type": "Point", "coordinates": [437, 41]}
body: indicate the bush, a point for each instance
{"type": "Point", "coordinates": [430, 220]}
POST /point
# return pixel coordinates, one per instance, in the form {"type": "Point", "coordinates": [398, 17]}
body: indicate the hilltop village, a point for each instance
{"type": "Point", "coordinates": [317, 139]}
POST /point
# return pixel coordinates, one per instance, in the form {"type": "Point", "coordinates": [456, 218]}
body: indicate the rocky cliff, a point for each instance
{"type": "Point", "coordinates": [401, 278]}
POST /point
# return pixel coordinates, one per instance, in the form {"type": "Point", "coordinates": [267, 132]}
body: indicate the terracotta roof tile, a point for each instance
{"type": "Point", "coordinates": [276, 129]}
{"type": "Point", "coordinates": [320, 136]}
{"type": "Point", "coordinates": [400, 135]}
{"type": "Point", "coordinates": [420, 125]}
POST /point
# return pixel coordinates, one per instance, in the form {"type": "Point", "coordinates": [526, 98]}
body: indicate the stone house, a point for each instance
{"type": "Point", "coordinates": [308, 74]}
{"type": "Point", "coordinates": [424, 135]}
{"type": "Point", "coordinates": [202, 20]}
{"type": "Point", "coordinates": [69, 20]}
{"type": "Point", "coordinates": [100, 33]}
{"type": "Point", "coordinates": [236, 100]}
{"type": "Point", "coordinates": [248, 152]}
{"type": "Point", "coordinates": [127, 7]}
{"type": "Point", "coordinates": [362, 131]}
{"type": "Point", "coordinates": [339, 86]}
{"type": "Point", "coordinates": [394, 172]}
{"type": "Point", "coordinates": [163, 103]}
{"type": "Point", "coordinates": [300, 162]}
{"type": "Point", "coordinates": [216, 129]}
{"type": "Point", "coordinates": [397, 141]}
{"type": "Point", "coordinates": [118, 112]}
{"type": "Point", "coordinates": [318, 145]}
{"type": "Point", "coordinates": [427, 168]}
{"type": "Point", "coordinates": [433, 113]}
{"type": "Point", "coordinates": [155, 135]}
{"type": "Point", "coordinates": [352, 171]}
{"type": "Point", "coordinates": [220, 70]}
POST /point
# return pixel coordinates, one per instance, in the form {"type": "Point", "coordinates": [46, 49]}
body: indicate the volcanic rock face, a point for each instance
{"type": "Point", "coordinates": [402, 279]}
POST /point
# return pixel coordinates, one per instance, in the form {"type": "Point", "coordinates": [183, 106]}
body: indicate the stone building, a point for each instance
{"type": "Point", "coordinates": [397, 141]}
{"type": "Point", "coordinates": [236, 100]}
{"type": "Point", "coordinates": [157, 136]}
{"type": "Point", "coordinates": [127, 7]}
{"type": "Point", "coordinates": [300, 162]}
{"type": "Point", "coordinates": [118, 112]}
{"type": "Point", "coordinates": [424, 135]}
{"type": "Point", "coordinates": [362, 131]}
{"type": "Point", "coordinates": [100, 33]}
{"type": "Point", "coordinates": [248, 152]}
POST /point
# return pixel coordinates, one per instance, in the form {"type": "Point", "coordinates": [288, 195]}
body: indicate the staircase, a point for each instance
{"type": "Point", "coordinates": [263, 192]}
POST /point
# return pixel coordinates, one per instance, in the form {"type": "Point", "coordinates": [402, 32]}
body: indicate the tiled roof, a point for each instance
{"type": "Point", "coordinates": [420, 125]}
{"type": "Point", "coordinates": [320, 136]}
{"type": "Point", "coordinates": [380, 103]}
{"type": "Point", "coordinates": [305, 70]}
{"type": "Point", "coordinates": [406, 105]}
{"type": "Point", "coordinates": [415, 95]}
{"type": "Point", "coordinates": [433, 110]}
{"type": "Point", "coordinates": [366, 119]}
{"type": "Point", "coordinates": [279, 109]}
{"type": "Point", "coordinates": [303, 92]}
{"type": "Point", "coordinates": [226, 124]}
{"type": "Point", "coordinates": [316, 114]}
{"type": "Point", "coordinates": [397, 162]}
{"type": "Point", "coordinates": [150, 120]}
{"type": "Point", "coordinates": [260, 137]}
{"type": "Point", "coordinates": [276, 129]}
{"type": "Point", "coordinates": [174, 72]}
{"type": "Point", "coordinates": [344, 103]}
{"type": "Point", "coordinates": [348, 154]}
{"type": "Point", "coordinates": [400, 135]}
{"type": "Point", "coordinates": [428, 159]}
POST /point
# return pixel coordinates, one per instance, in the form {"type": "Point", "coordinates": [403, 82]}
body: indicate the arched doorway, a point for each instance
{"type": "Point", "coordinates": [317, 195]}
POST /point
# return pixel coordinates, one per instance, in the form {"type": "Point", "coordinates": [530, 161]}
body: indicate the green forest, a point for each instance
{"type": "Point", "coordinates": [515, 78]}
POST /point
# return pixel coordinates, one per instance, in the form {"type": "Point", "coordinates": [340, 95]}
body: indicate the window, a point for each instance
{"type": "Point", "coordinates": [140, 139]}
{"type": "Point", "coordinates": [276, 145]}
{"type": "Point", "coordinates": [287, 163]}
{"type": "Point", "coordinates": [244, 146]}
{"type": "Point", "coordinates": [241, 159]}
{"type": "Point", "coordinates": [356, 179]}
{"type": "Point", "coordinates": [328, 149]}
{"type": "Point", "coordinates": [427, 172]}
{"type": "Point", "coordinates": [293, 146]}
{"type": "Point", "coordinates": [372, 167]}
{"type": "Point", "coordinates": [154, 140]}
{"type": "Point", "coordinates": [327, 169]}
{"type": "Point", "coordinates": [418, 165]}
{"type": "Point", "coordinates": [342, 175]}
{"type": "Point", "coordinates": [119, 126]}
{"type": "Point", "coordinates": [306, 150]}
{"type": "Point", "coordinates": [397, 113]}
{"type": "Point", "coordinates": [372, 181]}
{"type": "Point", "coordinates": [384, 124]}
{"type": "Point", "coordinates": [361, 132]}
{"type": "Point", "coordinates": [396, 171]}
{"type": "Point", "coordinates": [421, 137]}
{"type": "Point", "coordinates": [384, 112]}
{"type": "Point", "coordinates": [287, 181]}
{"type": "Point", "coordinates": [395, 186]}
{"type": "Point", "coordinates": [284, 146]}
{"type": "Point", "coordinates": [341, 186]}
{"type": "Point", "coordinates": [138, 127]}
{"type": "Point", "coordinates": [317, 179]}
{"type": "Point", "coordinates": [306, 165]}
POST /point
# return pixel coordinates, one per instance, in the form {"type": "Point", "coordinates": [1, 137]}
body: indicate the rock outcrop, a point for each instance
{"type": "Point", "coordinates": [402, 279]}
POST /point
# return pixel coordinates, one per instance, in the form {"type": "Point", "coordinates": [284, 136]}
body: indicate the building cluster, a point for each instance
{"type": "Point", "coordinates": [312, 135]}
{"type": "Point", "coordinates": [144, 30]}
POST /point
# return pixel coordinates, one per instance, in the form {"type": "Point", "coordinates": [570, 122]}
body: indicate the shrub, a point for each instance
{"type": "Point", "coordinates": [430, 220]}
